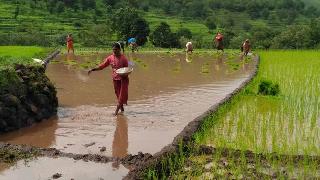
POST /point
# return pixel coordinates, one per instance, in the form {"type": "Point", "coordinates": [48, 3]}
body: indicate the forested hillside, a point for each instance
{"type": "Point", "coordinates": [268, 23]}
{"type": "Point", "coordinates": [315, 3]}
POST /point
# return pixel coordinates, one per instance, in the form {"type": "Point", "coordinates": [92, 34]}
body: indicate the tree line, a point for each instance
{"type": "Point", "coordinates": [123, 19]}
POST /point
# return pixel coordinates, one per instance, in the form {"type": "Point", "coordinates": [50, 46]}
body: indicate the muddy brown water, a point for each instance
{"type": "Point", "coordinates": [66, 167]}
{"type": "Point", "coordinates": [166, 92]}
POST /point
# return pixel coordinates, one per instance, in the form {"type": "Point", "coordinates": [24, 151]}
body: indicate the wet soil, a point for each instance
{"type": "Point", "coordinates": [162, 101]}
{"type": "Point", "coordinates": [162, 92]}
{"type": "Point", "coordinates": [166, 92]}
{"type": "Point", "coordinates": [61, 168]}
{"type": "Point", "coordinates": [209, 162]}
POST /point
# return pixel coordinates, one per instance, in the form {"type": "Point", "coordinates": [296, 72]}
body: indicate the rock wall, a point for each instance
{"type": "Point", "coordinates": [26, 96]}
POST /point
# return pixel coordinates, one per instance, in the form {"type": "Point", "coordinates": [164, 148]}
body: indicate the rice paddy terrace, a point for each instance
{"type": "Point", "coordinates": [251, 135]}
{"type": "Point", "coordinates": [164, 87]}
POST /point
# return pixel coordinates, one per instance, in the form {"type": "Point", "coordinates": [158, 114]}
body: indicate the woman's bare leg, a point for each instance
{"type": "Point", "coordinates": [117, 110]}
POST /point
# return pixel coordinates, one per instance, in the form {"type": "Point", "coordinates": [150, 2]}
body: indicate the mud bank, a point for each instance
{"type": "Point", "coordinates": [26, 96]}
{"type": "Point", "coordinates": [10, 153]}
{"type": "Point", "coordinates": [183, 139]}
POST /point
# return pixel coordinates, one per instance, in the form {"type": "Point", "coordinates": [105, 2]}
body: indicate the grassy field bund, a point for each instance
{"type": "Point", "coordinates": [259, 136]}
{"type": "Point", "coordinates": [10, 55]}
{"type": "Point", "coordinates": [20, 54]}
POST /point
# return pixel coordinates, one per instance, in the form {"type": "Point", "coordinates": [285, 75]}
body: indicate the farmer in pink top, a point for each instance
{"type": "Point", "coordinates": [120, 83]}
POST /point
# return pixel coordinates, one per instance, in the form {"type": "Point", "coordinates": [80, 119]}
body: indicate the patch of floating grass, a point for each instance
{"type": "Point", "coordinates": [139, 62]}
{"type": "Point", "coordinates": [70, 62]}
{"type": "Point", "coordinates": [233, 65]}
{"type": "Point", "coordinates": [12, 155]}
{"type": "Point", "coordinates": [205, 68]}
{"type": "Point", "coordinates": [54, 62]}
{"type": "Point", "coordinates": [177, 67]}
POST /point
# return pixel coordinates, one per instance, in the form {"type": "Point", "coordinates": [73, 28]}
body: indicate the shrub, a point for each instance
{"type": "Point", "coordinates": [162, 36]}
{"type": "Point", "coordinates": [127, 23]}
{"type": "Point", "coordinates": [184, 32]}
{"type": "Point", "coordinates": [211, 23]}
{"type": "Point", "coordinates": [268, 88]}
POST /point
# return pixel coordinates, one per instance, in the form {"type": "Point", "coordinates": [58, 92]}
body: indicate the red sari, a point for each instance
{"type": "Point", "coordinates": [120, 83]}
{"type": "Point", "coordinates": [69, 43]}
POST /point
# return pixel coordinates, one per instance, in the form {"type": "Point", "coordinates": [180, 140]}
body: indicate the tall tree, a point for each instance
{"type": "Point", "coordinates": [162, 36]}
{"type": "Point", "coordinates": [128, 23]}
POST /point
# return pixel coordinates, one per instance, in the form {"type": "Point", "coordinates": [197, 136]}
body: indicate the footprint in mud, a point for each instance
{"type": "Point", "coordinates": [90, 144]}
{"type": "Point", "coordinates": [103, 149]}
{"type": "Point", "coordinates": [56, 176]}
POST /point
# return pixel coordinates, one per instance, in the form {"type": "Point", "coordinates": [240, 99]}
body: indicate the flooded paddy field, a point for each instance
{"type": "Point", "coordinates": [166, 92]}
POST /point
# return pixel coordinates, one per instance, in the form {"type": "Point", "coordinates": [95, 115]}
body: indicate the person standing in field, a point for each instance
{"type": "Point", "coordinates": [133, 44]}
{"type": "Point", "coordinates": [189, 47]}
{"type": "Point", "coordinates": [120, 83]}
{"type": "Point", "coordinates": [219, 41]}
{"type": "Point", "coordinates": [70, 43]}
{"type": "Point", "coordinates": [246, 47]}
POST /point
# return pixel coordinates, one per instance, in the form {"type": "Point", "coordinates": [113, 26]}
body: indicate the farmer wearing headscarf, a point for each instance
{"type": "Point", "coordinates": [120, 83]}
{"type": "Point", "coordinates": [133, 44]}
{"type": "Point", "coordinates": [189, 47]}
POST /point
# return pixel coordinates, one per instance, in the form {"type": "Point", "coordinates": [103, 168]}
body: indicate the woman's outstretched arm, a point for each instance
{"type": "Point", "coordinates": [101, 66]}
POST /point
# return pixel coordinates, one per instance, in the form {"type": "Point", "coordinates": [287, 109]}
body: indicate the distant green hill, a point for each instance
{"type": "Point", "coordinates": [315, 3]}
{"type": "Point", "coordinates": [46, 22]}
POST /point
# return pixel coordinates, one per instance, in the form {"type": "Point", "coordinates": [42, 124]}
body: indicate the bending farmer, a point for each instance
{"type": "Point", "coordinates": [189, 47]}
{"type": "Point", "coordinates": [246, 47]}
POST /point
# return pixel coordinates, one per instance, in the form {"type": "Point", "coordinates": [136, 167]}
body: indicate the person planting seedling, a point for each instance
{"type": "Point", "coordinates": [246, 47]}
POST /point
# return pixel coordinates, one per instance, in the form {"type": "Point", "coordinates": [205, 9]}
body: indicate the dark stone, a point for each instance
{"type": "Point", "coordinates": [29, 121]}
{"type": "Point", "coordinates": [103, 149]}
{"type": "Point", "coordinates": [32, 108]}
{"type": "Point", "coordinates": [3, 124]}
{"type": "Point", "coordinates": [10, 100]}
{"type": "Point", "coordinates": [46, 91]}
{"type": "Point", "coordinates": [25, 78]}
{"type": "Point", "coordinates": [41, 99]}
{"type": "Point", "coordinates": [6, 112]}
{"type": "Point", "coordinates": [56, 175]}
{"type": "Point", "coordinates": [14, 121]}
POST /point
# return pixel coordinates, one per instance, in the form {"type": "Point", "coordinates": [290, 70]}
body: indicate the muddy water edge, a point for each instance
{"type": "Point", "coordinates": [166, 92]}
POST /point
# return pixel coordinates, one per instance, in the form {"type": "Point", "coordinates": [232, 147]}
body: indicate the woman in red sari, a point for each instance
{"type": "Point", "coordinates": [120, 83]}
{"type": "Point", "coordinates": [70, 43]}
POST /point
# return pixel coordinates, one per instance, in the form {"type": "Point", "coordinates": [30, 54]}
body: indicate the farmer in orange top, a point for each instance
{"type": "Point", "coordinates": [120, 83]}
{"type": "Point", "coordinates": [70, 43]}
{"type": "Point", "coordinates": [219, 41]}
